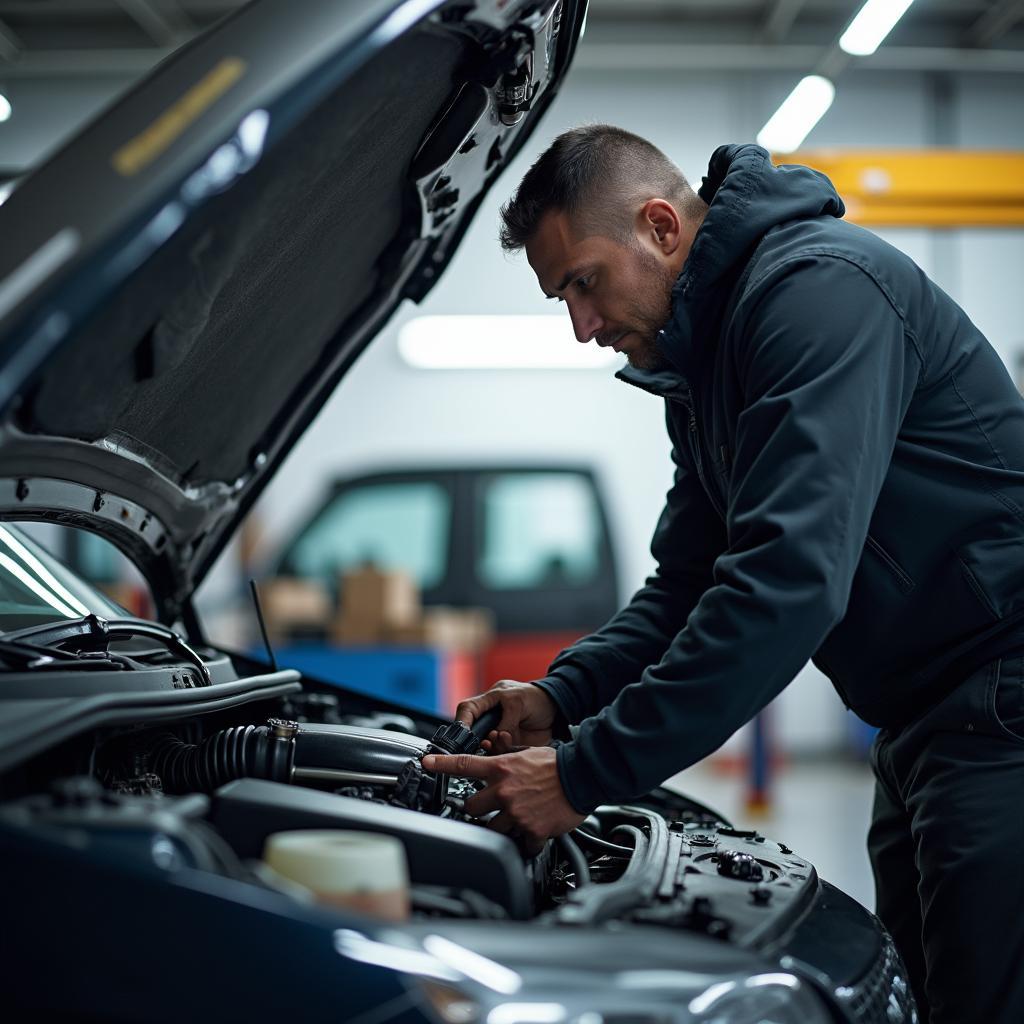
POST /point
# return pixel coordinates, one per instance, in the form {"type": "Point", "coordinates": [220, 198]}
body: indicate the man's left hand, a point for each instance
{"type": "Point", "coordinates": [523, 786]}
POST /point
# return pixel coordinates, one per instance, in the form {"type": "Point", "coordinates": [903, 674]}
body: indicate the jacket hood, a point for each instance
{"type": "Point", "coordinates": [747, 197]}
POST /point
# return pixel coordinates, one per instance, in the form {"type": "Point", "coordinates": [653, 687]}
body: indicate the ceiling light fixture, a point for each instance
{"type": "Point", "coordinates": [874, 21]}
{"type": "Point", "coordinates": [498, 343]}
{"type": "Point", "coordinates": [5, 107]}
{"type": "Point", "coordinates": [801, 110]}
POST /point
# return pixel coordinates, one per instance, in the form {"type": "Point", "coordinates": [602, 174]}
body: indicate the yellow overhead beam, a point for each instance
{"type": "Point", "coordinates": [947, 188]}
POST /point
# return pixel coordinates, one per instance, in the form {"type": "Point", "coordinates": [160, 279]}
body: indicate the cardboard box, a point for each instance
{"type": "Point", "coordinates": [447, 629]}
{"type": "Point", "coordinates": [357, 631]}
{"type": "Point", "coordinates": [294, 606]}
{"type": "Point", "coordinates": [412, 635]}
{"type": "Point", "coordinates": [390, 598]}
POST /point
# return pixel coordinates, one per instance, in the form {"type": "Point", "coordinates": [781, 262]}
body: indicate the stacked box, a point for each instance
{"type": "Point", "coordinates": [372, 603]}
{"type": "Point", "coordinates": [448, 629]}
{"type": "Point", "coordinates": [294, 608]}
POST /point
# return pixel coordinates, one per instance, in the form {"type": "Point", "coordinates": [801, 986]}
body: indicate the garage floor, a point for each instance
{"type": "Point", "coordinates": [821, 809]}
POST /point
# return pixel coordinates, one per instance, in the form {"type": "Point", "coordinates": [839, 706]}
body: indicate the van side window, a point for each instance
{"type": "Point", "coordinates": [401, 525]}
{"type": "Point", "coordinates": [539, 530]}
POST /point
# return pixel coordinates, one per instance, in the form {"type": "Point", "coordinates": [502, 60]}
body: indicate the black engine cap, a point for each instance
{"type": "Point", "coordinates": [734, 864]}
{"type": "Point", "coordinates": [456, 738]}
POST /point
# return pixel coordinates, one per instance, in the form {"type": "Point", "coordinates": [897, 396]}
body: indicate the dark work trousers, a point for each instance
{"type": "Point", "coordinates": [947, 848]}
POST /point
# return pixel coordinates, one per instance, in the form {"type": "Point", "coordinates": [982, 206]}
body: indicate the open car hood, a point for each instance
{"type": "Point", "coordinates": [185, 282]}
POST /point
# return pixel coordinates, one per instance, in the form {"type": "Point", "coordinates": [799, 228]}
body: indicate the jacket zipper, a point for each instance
{"type": "Point", "coordinates": [697, 446]}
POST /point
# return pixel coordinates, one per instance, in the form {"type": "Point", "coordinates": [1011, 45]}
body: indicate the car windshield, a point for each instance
{"type": "Point", "coordinates": [36, 588]}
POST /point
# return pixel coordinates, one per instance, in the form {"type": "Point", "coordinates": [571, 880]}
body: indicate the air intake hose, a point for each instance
{"type": "Point", "coordinates": [244, 751]}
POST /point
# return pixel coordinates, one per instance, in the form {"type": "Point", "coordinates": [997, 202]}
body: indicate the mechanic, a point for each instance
{"type": "Point", "coordinates": [849, 487]}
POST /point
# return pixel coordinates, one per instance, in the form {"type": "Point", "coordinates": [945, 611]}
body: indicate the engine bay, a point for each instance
{"type": "Point", "coordinates": [206, 792]}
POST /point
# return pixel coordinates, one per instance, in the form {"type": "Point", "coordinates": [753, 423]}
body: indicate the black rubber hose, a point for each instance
{"type": "Point", "coordinates": [244, 751]}
{"type": "Point", "coordinates": [575, 857]}
{"type": "Point", "coordinates": [639, 849]}
{"type": "Point", "coordinates": [639, 882]}
{"type": "Point", "coordinates": [602, 844]}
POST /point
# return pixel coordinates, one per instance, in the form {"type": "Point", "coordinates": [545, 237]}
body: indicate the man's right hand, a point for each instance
{"type": "Point", "coordinates": [527, 715]}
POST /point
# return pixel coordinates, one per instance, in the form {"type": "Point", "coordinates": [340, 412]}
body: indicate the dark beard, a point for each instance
{"type": "Point", "coordinates": [647, 357]}
{"type": "Point", "coordinates": [650, 313]}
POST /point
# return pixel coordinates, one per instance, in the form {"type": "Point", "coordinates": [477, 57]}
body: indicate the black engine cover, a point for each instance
{"type": "Point", "coordinates": [438, 849]}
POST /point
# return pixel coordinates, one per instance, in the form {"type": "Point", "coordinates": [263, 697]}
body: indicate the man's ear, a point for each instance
{"type": "Point", "coordinates": [661, 224]}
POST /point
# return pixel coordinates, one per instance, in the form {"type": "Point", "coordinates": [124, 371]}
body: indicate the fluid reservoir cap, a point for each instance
{"type": "Point", "coordinates": [365, 872]}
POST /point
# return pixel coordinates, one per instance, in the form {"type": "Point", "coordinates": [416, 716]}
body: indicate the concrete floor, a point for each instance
{"type": "Point", "coordinates": [821, 809]}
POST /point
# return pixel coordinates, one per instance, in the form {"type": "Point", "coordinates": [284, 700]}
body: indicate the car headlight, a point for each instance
{"type": "Point", "coordinates": [463, 987]}
{"type": "Point", "coordinates": [759, 999]}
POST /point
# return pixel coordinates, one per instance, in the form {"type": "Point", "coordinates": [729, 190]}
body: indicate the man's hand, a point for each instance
{"type": "Point", "coordinates": [527, 715]}
{"type": "Point", "coordinates": [523, 786]}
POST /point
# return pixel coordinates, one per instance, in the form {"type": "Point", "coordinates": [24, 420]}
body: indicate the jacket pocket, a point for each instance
{"type": "Point", "coordinates": [903, 581]}
{"type": "Point", "coordinates": [991, 567]}
{"type": "Point", "coordinates": [1005, 698]}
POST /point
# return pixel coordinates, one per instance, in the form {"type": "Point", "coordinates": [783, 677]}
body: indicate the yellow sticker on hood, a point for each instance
{"type": "Point", "coordinates": [149, 144]}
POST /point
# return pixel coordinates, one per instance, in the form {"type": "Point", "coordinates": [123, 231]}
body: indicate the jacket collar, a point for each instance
{"type": "Point", "coordinates": [747, 196]}
{"type": "Point", "coordinates": [665, 383]}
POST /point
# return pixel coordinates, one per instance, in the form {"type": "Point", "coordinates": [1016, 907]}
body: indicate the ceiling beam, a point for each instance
{"type": "Point", "coordinates": [787, 57]}
{"type": "Point", "coordinates": [779, 19]}
{"type": "Point", "coordinates": [10, 44]}
{"type": "Point", "coordinates": [995, 22]}
{"type": "Point", "coordinates": [595, 56]}
{"type": "Point", "coordinates": [166, 26]}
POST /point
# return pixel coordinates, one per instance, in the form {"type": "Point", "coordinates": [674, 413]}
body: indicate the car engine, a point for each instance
{"type": "Point", "coordinates": [192, 795]}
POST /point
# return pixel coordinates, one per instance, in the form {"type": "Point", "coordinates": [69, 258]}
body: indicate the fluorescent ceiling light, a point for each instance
{"type": "Point", "coordinates": [5, 191]}
{"type": "Point", "coordinates": [36, 587]}
{"type": "Point", "coordinates": [874, 21]}
{"type": "Point", "coordinates": [5, 107]}
{"type": "Point", "coordinates": [498, 343]}
{"type": "Point", "coordinates": [801, 110]}
{"type": "Point", "coordinates": [42, 572]}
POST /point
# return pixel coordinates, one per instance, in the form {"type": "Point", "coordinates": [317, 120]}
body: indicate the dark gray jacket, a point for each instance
{"type": "Point", "coordinates": [849, 486]}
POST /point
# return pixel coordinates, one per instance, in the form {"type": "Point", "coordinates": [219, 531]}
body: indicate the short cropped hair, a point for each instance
{"type": "Point", "coordinates": [599, 175]}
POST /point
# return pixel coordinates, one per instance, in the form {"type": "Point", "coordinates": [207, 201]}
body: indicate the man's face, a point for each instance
{"type": "Point", "coordinates": [617, 293]}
